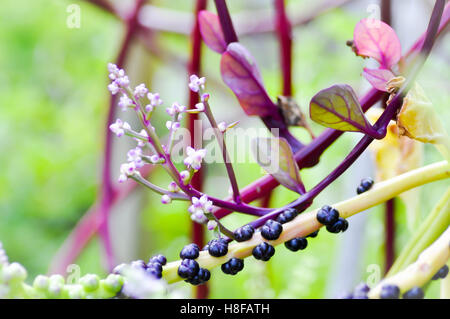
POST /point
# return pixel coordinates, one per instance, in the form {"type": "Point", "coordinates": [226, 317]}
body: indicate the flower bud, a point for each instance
{"type": "Point", "coordinates": [90, 282]}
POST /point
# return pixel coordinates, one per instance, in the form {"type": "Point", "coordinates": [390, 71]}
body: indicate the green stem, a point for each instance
{"type": "Point", "coordinates": [306, 223]}
{"type": "Point", "coordinates": [436, 222]}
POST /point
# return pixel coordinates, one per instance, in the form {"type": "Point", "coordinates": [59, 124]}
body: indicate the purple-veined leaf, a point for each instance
{"type": "Point", "coordinates": [376, 39]}
{"type": "Point", "coordinates": [378, 77]}
{"type": "Point", "coordinates": [211, 31]}
{"type": "Point", "coordinates": [275, 156]}
{"type": "Point", "coordinates": [338, 107]}
{"type": "Point", "coordinates": [240, 73]}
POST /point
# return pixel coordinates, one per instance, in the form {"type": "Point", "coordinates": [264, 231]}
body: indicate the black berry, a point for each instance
{"type": "Point", "coordinates": [365, 185]}
{"type": "Point", "coordinates": [202, 276]}
{"type": "Point", "coordinates": [159, 259]}
{"type": "Point", "coordinates": [188, 268]}
{"type": "Point", "coordinates": [313, 234]}
{"type": "Point", "coordinates": [233, 266]}
{"type": "Point", "coordinates": [340, 226]}
{"type": "Point", "coordinates": [389, 292]}
{"type": "Point", "coordinates": [327, 215]}
{"type": "Point", "coordinates": [154, 269]}
{"type": "Point", "coordinates": [190, 251]}
{"type": "Point", "coordinates": [218, 247]}
{"type": "Point", "coordinates": [414, 293]}
{"type": "Point", "coordinates": [244, 233]}
{"type": "Point", "coordinates": [263, 251]}
{"type": "Point", "coordinates": [271, 230]}
{"type": "Point", "coordinates": [441, 273]}
{"type": "Point", "coordinates": [361, 291]}
{"type": "Point", "coordinates": [288, 215]}
{"type": "Point", "coordinates": [296, 244]}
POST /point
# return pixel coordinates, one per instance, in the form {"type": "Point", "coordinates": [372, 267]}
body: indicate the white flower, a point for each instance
{"type": "Point", "coordinates": [194, 158]}
{"type": "Point", "coordinates": [165, 199]}
{"type": "Point", "coordinates": [173, 187]}
{"type": "Point", "coordinates": [113, 88]}
{"type": "Point", "coordinates": [200, 106]}
{"type": "Point", "coordinates": [123, 81]}
{"type": "Point", "coordinates": [185, 175]}
{"type": "Point", "coordinates": [212, 224]}
{"type": "Point", "coordinates": [199, 207]}
{"type": "Point", "coordinates": [172, 126]}
{"type": "Point", "coordinates": [140, 142]}
{"type": "Point", "coordinates": [154, 99]}
{"type": "Point", "coordinates": [176, 108]}
{"type": "Point", "coordinates": [119, 127]}
{"type": "Point", "coordinates": [156, 159]}
{"type": "Point", "coordinates": [140, 91]}
{"type": "Point", "coordinates": [125, 102]}
{"type": "Point", "coordinates": [126, 170]}
{"type": "Point", "coordinates": [135, 156]}
{"type": "Point", "coordinates": [222, 126]}
{"type": "Point", "coordinates": [196, 83]}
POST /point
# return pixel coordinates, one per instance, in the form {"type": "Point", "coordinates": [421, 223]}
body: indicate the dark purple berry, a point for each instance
{"type": "Point", "coordinates": [327, 215]}
{"type": "Point", "coordinates": [244, 233]}
{"type": "Point", "coordinates": [233, 266]}
{"type": "Point", "coordinates": [218, 247]}
{"type": "Point", "coordinates": [263, 251]}
{"type": "Point", "coordinates": [365, 185]}
{"type": "Point", "coordinates": [154, 271]}
{"type": "Point", "coordinates": [390, 292]}
{"type": "Point", "coordinates": [202, 276]}
{"type": "Point", "coordinates": [414, 293]}
{"type": "Point", "coordinates": [271, 230]}
{"type": "Point", "coordinates": [190, 251]}
{"type": "Point", "coordinates": [188, 268]}
{"type": "Point", "coordinates": [361, 291]}
{"type": "Point", "coordinates": [340, 226]}
{"type": "Point", "coordinates": [156, 266]}
{"type": "Point", "coordinates": [158, 259]}
{"type": "Point", "coordinates": [288, 215]}
{"type": "Point", "coordinates": [441, 273]}
{"type": "Point", "coordinates": [296, 244]}
{"type": "Point", "coordinates": [313, 234]}
{"type": "Point", "coordinates": [346, 295]}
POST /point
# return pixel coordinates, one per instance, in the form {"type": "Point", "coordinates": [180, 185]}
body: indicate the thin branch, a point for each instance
{"type": "Point", "coordinates": [226, 157]}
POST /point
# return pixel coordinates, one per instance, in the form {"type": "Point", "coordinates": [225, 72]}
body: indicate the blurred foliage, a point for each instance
{"type": "Point", "coordinates": [53, 101]}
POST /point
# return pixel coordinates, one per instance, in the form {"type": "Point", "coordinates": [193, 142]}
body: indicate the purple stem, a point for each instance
{"type": "Point", "coordinates": [225, 21]}
{"type": "Point", "coordinates": [306, 200]}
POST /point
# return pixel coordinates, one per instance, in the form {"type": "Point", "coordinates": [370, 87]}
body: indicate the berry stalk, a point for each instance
{"type": "Point", "coordinates": [420, 272]}
{"type": "Point", "coordinates": [306, 223]}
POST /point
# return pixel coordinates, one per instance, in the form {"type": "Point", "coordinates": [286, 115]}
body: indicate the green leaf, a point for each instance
{"type": "Point", "coordinates": [338, 107]}
{"type": "Point", "coordinates": [275, 156]}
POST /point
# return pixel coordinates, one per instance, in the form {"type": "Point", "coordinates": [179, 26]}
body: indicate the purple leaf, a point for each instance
{"type": "Point", "coordinates": [240, 73]}
{"type": "Point", "coordinates": [211, 31]}
{"type": "Point", "coordinates": [376, 39]}
{"type": "Point", "coordinates": [275, 156]}
{"type": "Point", "coordinates": [378, 77]}
{"type": "Point", "coordinates": [338, 107]}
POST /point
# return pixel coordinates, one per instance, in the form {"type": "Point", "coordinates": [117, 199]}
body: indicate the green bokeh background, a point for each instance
{"type": "Point", "coordinates": [53, 102]}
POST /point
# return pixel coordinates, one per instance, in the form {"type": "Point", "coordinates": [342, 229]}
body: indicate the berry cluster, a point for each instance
{"type": "Point", "coordinates": [329, 217]}
{"type": "Point", "coordinates": [263, 251]}
{"type": "Point", "coordinates": [189, 269]}
{"type": "Point", "coordinates": [271, 230]}
{"type": "Point", "coordinates": [244, 233]}
{"type": "Point", "coordinates": [365, 185]}
{"type": "Point", "coordinates": [286, 216]}
{"type": "Point", "coordinates": [233, 266]}
{"type": "Point", "coordinates": [218, 247]}
{"type": "Point", "coordinates": [388, 291]}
